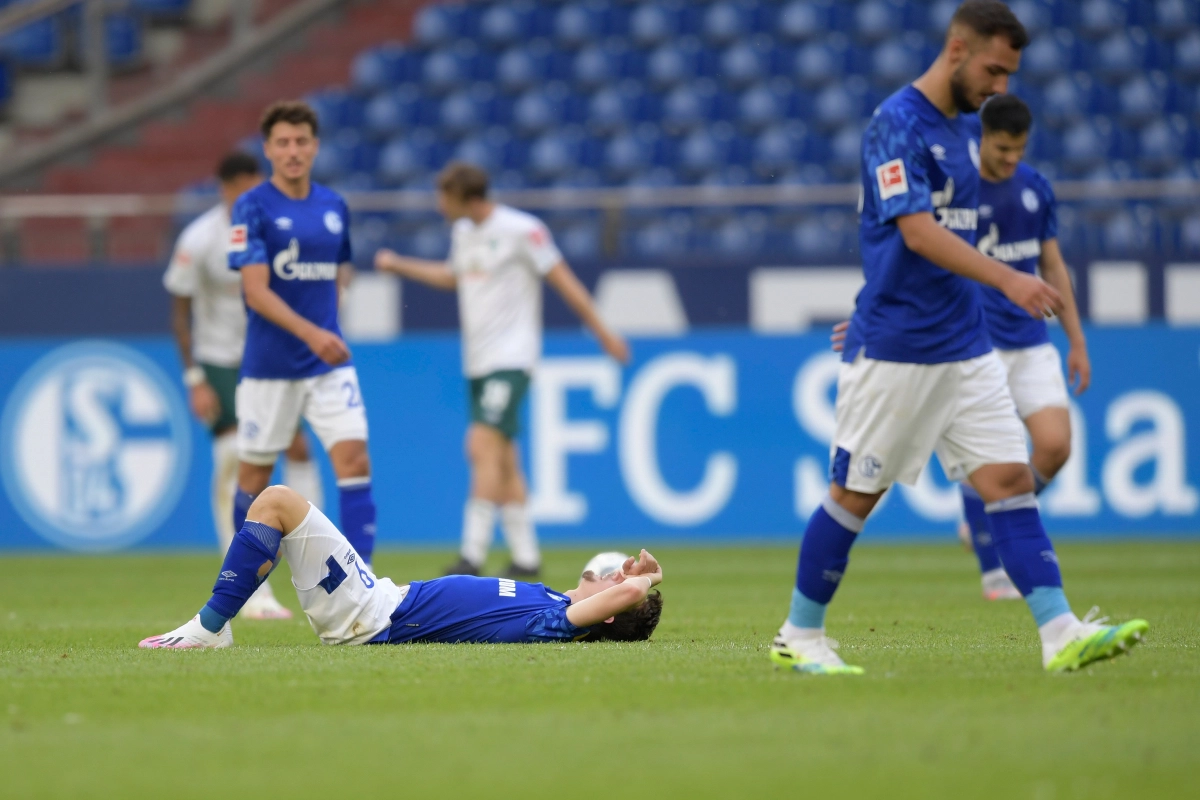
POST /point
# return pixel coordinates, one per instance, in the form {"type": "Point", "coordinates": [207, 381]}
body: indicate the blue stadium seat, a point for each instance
{"type": "Point", "coordinates": [383, 67]}
{"type": "Point", "coordinates": [597, 65]}
{"type": "Point", "coordinates": [1161, 145]}
{"type": "Point", "coordinates": [742, 235]}
{"type": "Point", "coordinates": [581, 23]}
{"type": "Point", "coordinates": [1187, 56]}
{"type": "Point", "coordinates": [405, 158]}
{"type": "Point", "coordinates": [663, 238]}
{"type": "Point", "coordinates": [801, 21]}
{"type": "Point", "coordinates": [1188, 242]}
{"type": "Point", "coordinates": [688, 107]}
{"type": "Point", "coordinates": [431, 241]}
{"type": "Point", "coordinates": [821, 63]}
{"type": "Point", "coordinates": [554, 155]}
{"type": "Point", "coordinates": [538, 110]}
{"type": "Point", "coordinates": [761, 106]}
{"type": "Point", "coordinates": [706, 151]}
{"type": "Point", "coordinates": [804, 175]}
{"type": "Point", "coordinates": [38, 44]}
{"type": "Point", "coordinates": [505, 25]}
{"type": "Point", "coordinates": [823, 236]}
{"type": "Point", "coordinates": [1048, 56]}
{"type": "Point", "coordinates": [897, 61]}
{"type": "Point", "coordinates": [876, 20]}
{"type": "Point", "coordinates": [612, 109]}
{"type": "Point", "coordinates": [631, 152]}
{"type": "Point", "coordinates": [1086, 144]}
{"type": "Point", "coordinates": [487, 150]}
{"type": "Point", "coordinates": [777, 149]}
{"type": "Point", "coordinates": [1121, 55]}
{"type": "Point", "coordinates": [523, 67]}
{"type": "Point", "coordinates": [725, 22]}
{"type": "Point", "coordinates": [336, 109]}
{"type": "Point", "coordinates": [744, 64]}
{"type": "Point", "coordinates": [1174, 18]}
{"type": "Point", "coordinates": [845, 151]}
{"type": "Point", "coordinates": [465, 110]}
{"type": "Point", "coordinates": [1143, 98]}
{"type": "Point", "coordinates": [437, 25]}
{"type": "Point", "coordinates": [673, 64]}
{"type": "Point", "coordinates": [1130, 232]}
{"type": "Point", "coordinates": [1035, 15]}
{"type": "Point", "coordinates": [1065, 100]}
{"type": "Point", "coordinates": [838, 105]}
{"type": "Point", "coordinates": [388, 112]}
{"type": "Point", "coordinates": [1099, 18]}
{"type": "Point", "coordinates": [654, 24]}
{"type": "Point", "coordinates": [448, 68]}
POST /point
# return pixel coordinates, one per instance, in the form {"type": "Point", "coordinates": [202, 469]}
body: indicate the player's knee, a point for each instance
{"type": "Point", "coordinates": [273, 499]}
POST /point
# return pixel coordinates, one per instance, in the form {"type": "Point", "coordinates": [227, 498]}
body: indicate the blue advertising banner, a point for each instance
{"type": "Point", "coordinates": [712, 436]}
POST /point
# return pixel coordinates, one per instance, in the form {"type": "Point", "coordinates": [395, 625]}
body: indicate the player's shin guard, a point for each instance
{"type": "Point", "coordinates": [358, 515]}
{"type": "Point", "coordinates": [981, 533]}
{"type": "Point", "coordinates": [252, 555]}
{"type": "Point", "coordinates": [1028, 555]}
{"type": "Point", "coordinates": [824, 554]}
{"type": "Point", "coordinates": [241, 507]}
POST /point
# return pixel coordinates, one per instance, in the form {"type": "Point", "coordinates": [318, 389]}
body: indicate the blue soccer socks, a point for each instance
{"type": "Point", "coordinates": [1028, 555]}
{"type": "Point", "coordinates": [358, 515]}
{"type": "Point", "coordinates": [252, 555]}
{"type": "Point", "coordinates": [824, 554]}
{"type": "Point", "coordinates": [981, 533]}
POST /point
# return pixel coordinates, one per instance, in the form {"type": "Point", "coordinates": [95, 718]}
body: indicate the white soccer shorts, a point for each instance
{"type": "Point", "coordinates": [268, 412]}
{"type": "Point", "coordinates": [1035, 378]}
{"type": "Point", "coordinates": [344, 601]}
{"type": "Point", "coordinates": [892, 416]}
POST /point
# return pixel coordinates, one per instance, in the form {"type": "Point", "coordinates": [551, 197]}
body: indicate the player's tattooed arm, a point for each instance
{"type": "Point", "coordinates": [1054, 272]}
{"type": "Point", "coordinates": [631, 591]}
{"type": "Point", "coordinates": [577, 297]}
{"type": "Point", "coordinates": [431, 273]}
{"type": "Point", "coordinates": [926, 238]}
{"type": "Point", "coordinates": [256, 283]}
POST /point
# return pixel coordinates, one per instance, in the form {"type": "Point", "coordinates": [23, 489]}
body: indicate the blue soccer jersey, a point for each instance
{"type": "Point", "coordinates": [303, 242]}
{"type": "Point", "coordinates": [916, 159]}
{"type": "Point", "coordinates": [1015, 217]}
{"type": "Point", "coordinates": [462, 608]}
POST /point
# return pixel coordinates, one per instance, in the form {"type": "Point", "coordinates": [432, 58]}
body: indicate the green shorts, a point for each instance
{"type": "Point", "coordinates": [496, 400]}
{"type": "Point", "coordinates": [224, 381]}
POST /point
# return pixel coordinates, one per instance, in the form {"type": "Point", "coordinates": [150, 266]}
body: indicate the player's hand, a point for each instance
{"type": "Point", "coordinates": [205, 403]}
{"type": "Point", "coordinates": [329, 347]}
{"type": "Point", "coordinates": [615, 345]}
{"type": "Point", "coordinates": [387, 260]}
{"type": "Point", "coordinates": [646, 566]}
{"type": "Point", "coordinates": [837, 339]}
{"type": "Point", "coordinates": [1038, 298]}
{"type": "Point", "coordinates": [1079, 369]}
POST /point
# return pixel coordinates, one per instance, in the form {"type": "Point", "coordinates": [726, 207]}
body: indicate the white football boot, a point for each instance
{"type": "Point", "coordinates": [190, 635]}
{"type": "Point", "coordinates": [811, 654]}
{"type": "Point", "coordinates": [998, 586]}
{"type": "Point", "coordinates": [263, 605]}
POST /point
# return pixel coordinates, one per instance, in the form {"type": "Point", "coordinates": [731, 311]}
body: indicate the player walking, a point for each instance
{"type": "Point", "coordinates": [291, 243]}
{"type": "Point", "coordinates": [498, 258]}
{"type": "Point", "coordinates": [209, 323]}
{"type": "Point", "coordinates": [919, 374]}
{"type": "Point", "coordinates": [1018, 225]}
{"type": "Point", "coordinates": [347, 604]}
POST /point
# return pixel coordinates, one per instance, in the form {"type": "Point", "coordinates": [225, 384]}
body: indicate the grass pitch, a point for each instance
{"type": "Point", "coordinates": [954, 702]}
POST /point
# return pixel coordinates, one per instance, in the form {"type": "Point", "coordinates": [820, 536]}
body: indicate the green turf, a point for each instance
{"type": "Point", "coordinates": [954, 702]}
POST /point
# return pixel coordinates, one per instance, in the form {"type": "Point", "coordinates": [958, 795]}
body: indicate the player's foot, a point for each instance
{"type": "Point", "coordinates": [462, 567]}
{"type": "Point", "coordinates": [190, 635]}
{"type": "Point", "coordinates": [998, 586]}
{"type": "Point", "coordinates": [814, 656]}
{"type": "Point", "coordinates": [1092, 641]}
{"type": "Point", "coordinates": [264, 608]}
{"type": "Point", "coordinates": [518, 573]}
{"type": "Point", "coordinates": [964, 537]}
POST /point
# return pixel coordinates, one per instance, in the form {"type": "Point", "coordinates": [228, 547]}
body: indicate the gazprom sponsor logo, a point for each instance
{"type": "Point", "coordinates": [96, 446]}
{"type": "Point", "coordinates": [1008, 252]}
{"type": "Point", "coordinates": [289, 267]}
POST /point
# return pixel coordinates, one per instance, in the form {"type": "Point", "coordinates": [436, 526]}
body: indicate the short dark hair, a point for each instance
{"type": "Point", "coordinates": [464, 181]}
{"type": "Point", "coordinates": [235, 165]}
{"type": "Point", "coordinates": [634, 625]}
{"type": "Point", "coordinates": [990, 18]}
{"type": "Point", "coordinates": [293, 112]}
{"type": "Point", "coordinates": [1006, 113]}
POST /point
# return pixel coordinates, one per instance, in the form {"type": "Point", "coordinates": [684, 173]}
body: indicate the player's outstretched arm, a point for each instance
{"type": "Point", "coordinates": [431, 273]}
{"type": "Point", "coordinates": [579, 300]}
{"type": "Point", "coordinates": [256, 283]}
{"type": "Point", "coordinates": [637, 578]}
{"type": "Point", "coordinates": [1054, 272]}
{"type": "Point", "coordinates": [929, 240]}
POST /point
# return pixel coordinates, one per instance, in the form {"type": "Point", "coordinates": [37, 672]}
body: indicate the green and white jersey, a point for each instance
{"type": "Point", "coordinates": [500, 264]}
{"type": "Point", "coordinates": [200, 270]}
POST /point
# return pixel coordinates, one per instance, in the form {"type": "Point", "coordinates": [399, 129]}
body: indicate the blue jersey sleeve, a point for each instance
{"type": "Point", "coordinates": [896, 162]}
{"type": "Point", "coordinates": [1050, 206]}
{"type": "Point", "coordinates": [552, 625]}
{"type": "Point", "coordinates": [345, 254]}
{"type": "Point", "coordinates": [246, 242]}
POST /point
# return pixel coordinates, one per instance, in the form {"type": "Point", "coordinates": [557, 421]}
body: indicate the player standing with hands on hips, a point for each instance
{"type": "Point", "coordinates": [208, 319]}
{"type": "Point", "coordinates": [498, 258]}
{"type": "Point", "coordinates": [918, 371]}
{"type": "Point", "coordinates": [290, 240]}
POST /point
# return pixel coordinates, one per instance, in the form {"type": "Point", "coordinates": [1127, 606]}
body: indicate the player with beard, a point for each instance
{"type": "Point", "coordinates": [918, 371]}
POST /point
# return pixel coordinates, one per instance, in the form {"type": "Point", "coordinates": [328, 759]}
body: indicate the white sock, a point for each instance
{"type": "Point", "coordinates": [305, 479]}
{"type": "Point", "coordinates": [790, 632]}
{"type": "Point", "coordinates": [479, 525]}
{"type": "Point", "coordinates": [520, 535]}
{"type": "Point", "coordinates": [1056, 633]}
{"type": "Point", "coordinates": [224, 483]}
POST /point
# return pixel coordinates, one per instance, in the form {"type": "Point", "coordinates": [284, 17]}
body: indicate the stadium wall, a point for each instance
{"type": "Point", "coordinates": [710, 436]}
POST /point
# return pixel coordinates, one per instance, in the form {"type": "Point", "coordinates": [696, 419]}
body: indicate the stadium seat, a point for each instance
{"type": "Point", "coordinates": [897, 61]}
{"type": "Point", "coordinates": [653, 24]}
{"type": "Point", "coordinates": [777, 149]}
{"type": "Point", "coordinates": [538, 110]}
{"type": "Point", "coordinates": [845, 151]}
{"type": "Point", "coordinates": [388, 112]}
{"type": "Point", "coordinates": [38, 44]}
{"type": "Point", "coordinates": [664, 238]}
{"type": "Point", "coordinates": [553, 155]}
{"type": "Point", "coordinates": [1065, 100]}
{"type": "Point", "coordinates": [725, 22]}
{"type": "Point", "coordinates": [505, 25]}
{"type": "Point", "coordinates": [336, 109]}
{"type": "Point", "coordinates": [437, 25]}
{"type": "Point", "coordinates": [876, 20]}
{"type": "Point", "coordinates": [1161, 144]}
{"type": "Point", "coordinates": [688, 107]}
{"type": "Point", "coordinates": [673, 64]}
{"type": "Point", "coordinates": [1187, 56]}
{"type": "Point", "coordinates": [743, 64]}
{"type": "Point", "coordinates": [403, 159]}
{"type": "Point", "coordinates": [838, 105]}
{"type": "Point", "coordinates": [762, 105]}
{"type": "Point", "coordinates": [576, 25]}
{"type": "Point", "coordinates": [1143, 98]}
{"type": "Point", "coordinates": [704, 152]}
{"type": "Point", "coordinates": [631, 152]}
{"type": "Point", "coordinates": [431, 241]}
{"type": "Point", "coordinates": [597, 65]}
{"type": "Point", "coordinates": [821, 63]}
{"type": "Point", "coordinates": [1048, 56]}
{"type": "Point", "coordinates": [1173, 18]}
{"type": "Point", "coordinates": [1036, 16]}
{"type": "Point", "coordinates": [522, 67]}
{"type": "Point", "coordinates": [1130, 232]}
{"type": "Point", "coordinates": [1086, 144]}
{"type": "Point", "coordinates": [1099, 18]}
{"type": "Point", "coordinates": [742, 235]}
{"type": "Point", "coordinates": [823, 236]}
{"type": "Point", "coordinates": [1121, 55]}
{"type": "Point", "coordinates": [801, 21]}
{"type": "Point", "coordinates": [580, 241]}
{"type": "Point", "coordinates": [383, 67]}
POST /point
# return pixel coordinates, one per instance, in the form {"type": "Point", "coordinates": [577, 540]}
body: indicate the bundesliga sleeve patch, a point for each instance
{"type": "Point", "coordinates": [892, 178]}
{"type": "Point", "coordinates": [237, 239]}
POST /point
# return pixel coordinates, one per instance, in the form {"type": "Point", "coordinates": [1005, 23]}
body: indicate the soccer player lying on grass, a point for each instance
{"type": "Point", "coordinates": [347, 604]}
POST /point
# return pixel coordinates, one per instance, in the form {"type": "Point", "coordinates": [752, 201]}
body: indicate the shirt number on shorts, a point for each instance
{"type": "Point", "coordinates": [353, 400]}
